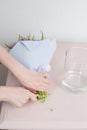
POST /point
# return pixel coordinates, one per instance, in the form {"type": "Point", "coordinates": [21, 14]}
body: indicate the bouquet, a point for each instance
{"type": "Point", "coordinates": [35, 54]}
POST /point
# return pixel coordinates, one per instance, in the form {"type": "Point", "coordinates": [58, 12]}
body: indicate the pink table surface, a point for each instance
{"type": "Point", "coordinates": [69, 109]}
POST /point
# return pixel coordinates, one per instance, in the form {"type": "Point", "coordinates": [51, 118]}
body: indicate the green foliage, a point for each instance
{"type": "Point", "coordinates": [27, 38]}
{"type": "Point", "coordinates": [41, 95]}
{"type": "Point", "coordinates": [8, 46]}
{"type": "Point", "coordinates": [19, 37]}
{"type": "Point", "coordinates": [42, 35]}
{"type": "Point", "coordinates": [33, 38]}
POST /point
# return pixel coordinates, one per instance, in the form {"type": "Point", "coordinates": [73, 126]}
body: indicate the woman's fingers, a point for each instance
{"type": "Point", "coordinates": [45, 75]}
{"type": "Point", "coordinates": [43, 84]}
{"type": "Point", "coordinates": [42, 87]}
{"type": "Point", "coordinates": [16, 103]}
{"type": "Point", "coordinates": [19, 96]}
{"type": "Point", "coordinates": [33, 97]}
{"type": "Point", "coordinates": [46, 81]}
{"type": "Point", "coordinates": [28, 96]}
{"type": "Point", "coordinates": [34, 80]}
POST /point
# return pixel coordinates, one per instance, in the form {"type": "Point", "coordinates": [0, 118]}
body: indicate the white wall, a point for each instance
{"type": "Point", "coordinates": [66, 20]}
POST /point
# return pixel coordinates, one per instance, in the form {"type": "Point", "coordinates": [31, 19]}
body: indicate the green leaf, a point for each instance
{"type": "Point", "coordinates": [8, 46]}
{"type": "Point", "coordinates": [33, 38]}
{"type": "Point", "coordinates": [42, 35]}
{"type": "Point", "coordinates": [51, 109]}
{"type": "Point", "coordinates": [19, 37]}
{"type": "Point", "coordinates": [29, 36]}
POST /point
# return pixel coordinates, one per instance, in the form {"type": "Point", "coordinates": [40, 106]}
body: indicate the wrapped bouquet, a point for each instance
{"type": "Point", "coordinates": [34, 54]}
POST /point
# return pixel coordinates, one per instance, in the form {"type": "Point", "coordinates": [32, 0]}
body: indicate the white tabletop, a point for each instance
{"type": "Point", "coordinates": [62, 109]}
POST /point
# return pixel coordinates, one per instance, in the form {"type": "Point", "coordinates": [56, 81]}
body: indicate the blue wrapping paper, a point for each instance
{"type": "Point", "coordinates": [35, 55]}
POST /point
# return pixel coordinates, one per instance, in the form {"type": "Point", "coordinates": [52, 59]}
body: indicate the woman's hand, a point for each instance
{"type": "Point", "coordinates": [34, 80]}
{"type": "Point", "coordinates": [17, 96]}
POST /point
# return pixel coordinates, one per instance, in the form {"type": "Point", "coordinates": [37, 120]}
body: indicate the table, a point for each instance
{"type": "Point", "coordinates": [62, 109]}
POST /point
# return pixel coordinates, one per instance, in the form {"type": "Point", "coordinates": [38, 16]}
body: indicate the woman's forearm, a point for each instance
{"type": "Point", "coordinates": [30, 79]}
{"type": "Point", "coordinates": [8, 61]}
